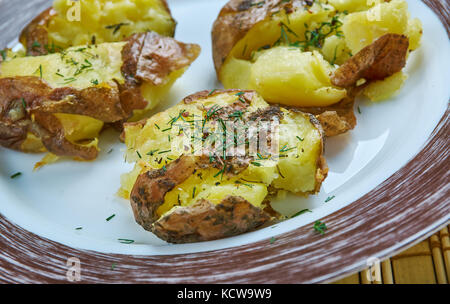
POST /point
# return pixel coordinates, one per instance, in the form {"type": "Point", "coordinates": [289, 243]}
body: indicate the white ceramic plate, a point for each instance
{"type": "Point", "coordinates": [57, 199]}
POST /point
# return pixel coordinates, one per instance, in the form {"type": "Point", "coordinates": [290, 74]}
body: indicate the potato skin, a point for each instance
{"type": "Point", "coordinates": [27, 103]}
{"type": "Point", "coordinates": [237, 17]}
{"type": "Point", "coordinates": [150, 57]}
{"type": "Point", "coordinates": [35, 36]}
{"type": "Point", "coordinates": [204, 221]}
{"type": "Point", "coordinates": [338, 118]}
{"type": "Point", "coordinates": [383, 58]}
{"type": "Point", "coordinates": [36, 101]}
{"type": "Point", "coordinates": [151, 187]}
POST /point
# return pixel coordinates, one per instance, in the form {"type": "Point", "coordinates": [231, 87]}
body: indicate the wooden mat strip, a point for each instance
{"type": "Point", "coordinates": [426, 263]}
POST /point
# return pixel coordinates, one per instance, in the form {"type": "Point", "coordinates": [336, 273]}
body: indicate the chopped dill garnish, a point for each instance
{"type": "Point", "coordinates": [279, 172]}
{"type": "Point", "coordinates": [16, 175]}
{"type": "Point", "coordinates": [320, 227]}
{"type": "Point", "coordinates": [301, 212]}
{"type": "Point", "coordinates": [125, 241]}
{"type": "Point", "coordinates": [151, 153]}
{"type": "Point", "coordinates": [116, 27]}
{"type": "Point", "coordinates": [110, 218]}
{"type": "Point", "coordinates": [35, 45]}
{"type": "Point", "coordinates": [329, 198]}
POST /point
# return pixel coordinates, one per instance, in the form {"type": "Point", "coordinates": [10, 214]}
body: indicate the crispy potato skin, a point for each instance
{"type": "Point", "coordinates": [383, 58]}
{"type": "Point", "coordinates": [151, 187]}
{"type": "Point", "coordinates": [113, 104]}
{"type": "Point", "coordinates": [27, 105]}
{"type": "Point", "coordinates": [236, 18]}
{"type": "Point", "coordinates": [204, 221]}
{"type": "Point", "coordinates": [151, 57]}
{"type": "Point", "coordinates": [35, 36]}
{"type": "Point", "coordinates": [338, 118]}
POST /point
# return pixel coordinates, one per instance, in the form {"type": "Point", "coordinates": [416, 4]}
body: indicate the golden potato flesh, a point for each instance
{"type": "Point", "coordinates": [78, 67]}
{"type": "Point", "coordinates": [287, 51]}
{"type": "Point", "coordinates": [155, 146]}
{"type": "Point", "coordinates": [84, 22]}
{"type": "Point", "coordinates": [288, 76]}
{"type": "Point", "coordinates": [70, 95]}
{"type": "Point", "coordinates": [363, 28]}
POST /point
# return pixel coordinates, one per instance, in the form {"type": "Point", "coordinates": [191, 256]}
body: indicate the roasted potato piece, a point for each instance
{"type": "Point", "coordinates": [185, 191]}
{"type": "Point", "coordinates": [292, 52]}
{"type": "Point", "coordinates": [99, 21]}
{"type": "Point", "coordinates": [259, 47]}
{"type": "Point", "coordinates": [64, 99]}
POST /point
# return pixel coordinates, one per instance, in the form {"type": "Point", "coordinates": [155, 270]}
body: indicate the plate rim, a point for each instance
{"type": "Point", "coordinates": [306, 257]}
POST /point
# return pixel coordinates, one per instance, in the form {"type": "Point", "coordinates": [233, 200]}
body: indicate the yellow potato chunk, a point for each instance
{"type": "Point", "coordinates": [78, 67]}
{"type": "Point", "coordinates": [108, 21]}
{"type": "Point", "coordinates": [288, 76]}
{"type": "Point", "coordinates": [387, 88]}
{"type": "Point", "coordinates": [363, 28]}
{"type": "Point", "coordinates": [351, 5]}
{"type": "Point", "coordinates": [79, 128]}
{"type": "Point", "coordinates": [335, 50]}
{"type": "Point", "coordinates": [414, 33]}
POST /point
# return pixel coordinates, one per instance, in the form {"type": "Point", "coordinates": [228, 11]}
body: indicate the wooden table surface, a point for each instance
{"type": "Point", "coordinates": [426, 263]}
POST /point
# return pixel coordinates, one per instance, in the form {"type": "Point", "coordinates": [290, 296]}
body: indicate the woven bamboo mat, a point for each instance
{"type": "Point", "coordinates": [426, 263]}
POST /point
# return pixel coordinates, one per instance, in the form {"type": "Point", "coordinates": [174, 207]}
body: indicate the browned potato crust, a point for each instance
{"type": "Point", "coordinates": [151, 187]}
{"type": "Point", "coordinates": [35, 36]}
{"type": "Point", "coordinates": [338, 118]}
{"type": "Point", "coordinates": [204, 221]}
{"type": "Point", "coordinates": [383, 58]}
{"type": "Point", "coordinates": [26, 103]}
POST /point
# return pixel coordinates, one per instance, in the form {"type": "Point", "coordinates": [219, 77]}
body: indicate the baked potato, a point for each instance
{"type": "Point", "coordinates": [291, 52]}
{"type": "Point", "coordinates": [70, 23]}
{"type": "Point", "coordinates": [185, 190]}
{"type": "Point", "coordinates": [60, 102]}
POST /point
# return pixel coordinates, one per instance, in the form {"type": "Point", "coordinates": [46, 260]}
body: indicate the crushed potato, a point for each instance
{"type": "Point", "coordinates": [108, 21]}
{"type": "Point", "coordinates": [289, 57]}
